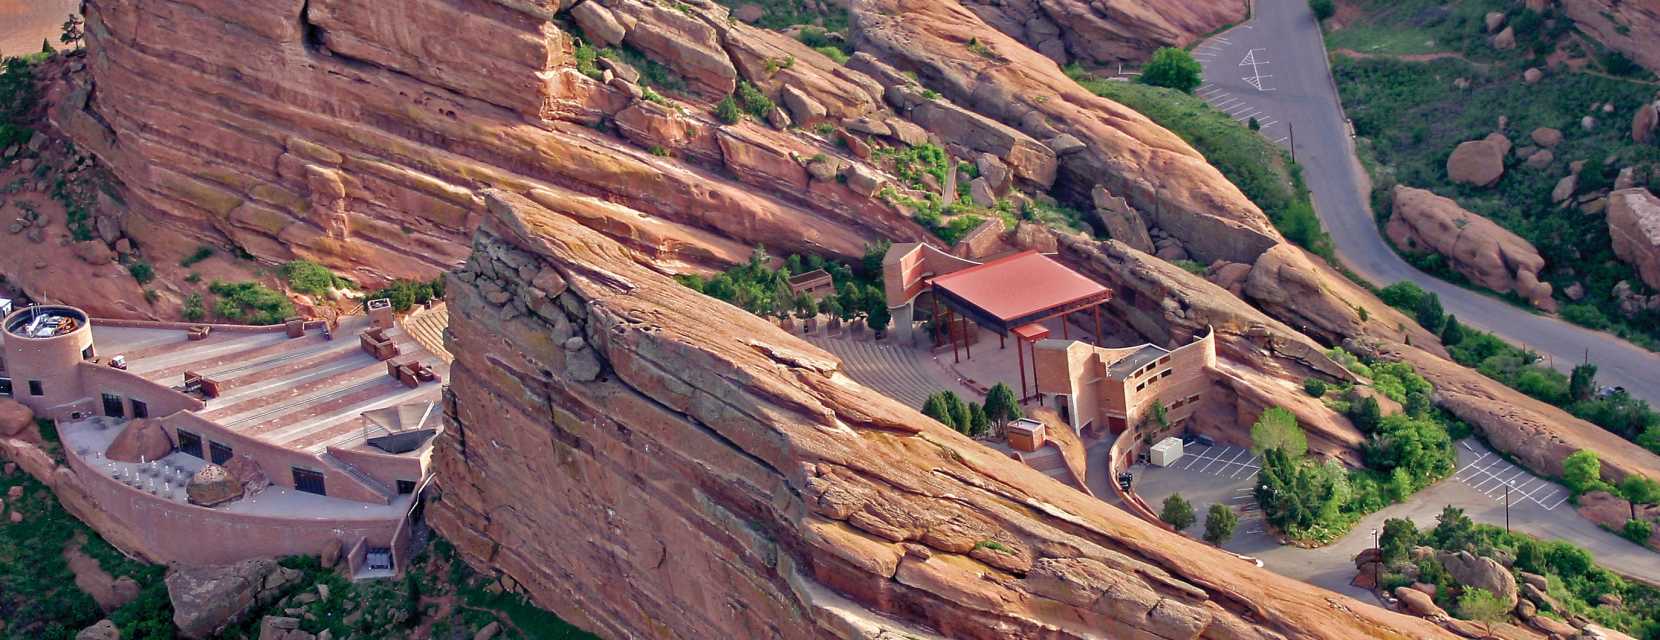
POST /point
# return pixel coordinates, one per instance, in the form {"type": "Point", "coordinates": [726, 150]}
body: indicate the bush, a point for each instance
{"type": "Point", "coordinates": [1177, 512]}
{"type": "Point", "coordinates": [1482, 606]}
{"type": "Point", "coordinates": [202, 253]}
{"type": "Point", "coordinates": [1638, 531]}
{"type": "Point", "coordinates": [1173, 68]}
{"type": "Point", "coordinates": [1277, 429]}
{"type": "Point", "coordinates": [142, 272]}
{"type": "Point", "coordinates": [310, 278]}
{"type": "Point", "coordinates": [753, 101]}
{"type": "Point", "coordinates": [1323, 9]}
{"type": "Point", "coordinates": [1399, 536]}
{"type": "Point", "coordinates": [728, 110]}
{"type": "Point", "coordinates": [405, 294]}
{"type": "Point", "coordinates": [1314, 387]}
{"type": "Point", "coordinates": [250, 302]}
{"type": "Point", "coordinates": [193, 310]}
{"type": "Point", "coordinates": [1220, 522]}
{"type": "Point", "coordinates": [1365, 413]}
{"type": "Point", "coordinates": [833, 53]}
{"type": "Point", "coordinates": [1582, 472]}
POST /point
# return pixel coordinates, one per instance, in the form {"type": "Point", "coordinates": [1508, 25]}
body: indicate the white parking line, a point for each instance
{"type": "Point", "coordinates": [1207, 465]}
{"type": "Point", "coordinates": [1248, 465]}
{"type": "Point", "coordinates": [1224, 102]}
{"type": "Point", "coordinates": [1244, 116]}
{"type": "Point", "coordinates": [1271, 122]}
{"type": "Point", "coordinates": [1238, 109]}
{"type": "Point", "coordinates": [1281, 140]}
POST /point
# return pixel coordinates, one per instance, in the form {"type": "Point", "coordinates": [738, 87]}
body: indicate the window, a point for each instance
{"type": "Point", "coordinates": [86, 354]}
{"type": "Point", "coordinates": [406, 487]}
{"type": "Point", "coordinates": [140, 409]}
{"type": "Point", "coordinates": [190, 443]}
{"type": "Point", "coordinates": [113, 407]}
{"type": "Point", "coordinates": [219, 453]}
{"type": "Point", "coordinates": [35, 389]}
{"type": "Point", "coordinates": [1166, 373]}
{"type": "Point", "coordinates": [6, 387]}
{"type": "Point", "coordinates": [1141, 386]}
{"type": "Point", "coordinates": [309, 481]}
{"type": "Point", "coordinates": [1164, 360]}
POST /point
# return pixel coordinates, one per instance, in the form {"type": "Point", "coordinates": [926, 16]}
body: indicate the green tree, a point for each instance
{"type": "Point", "coordinates": [936, 407]}
{"type": "Point", "coordinates": [1639, 490]}
{"type": "Point", "coordinates": [1277, 429]}
{"type": "Point", "coordinates": [1177, 512]}
{"type": "Point", "coordinates": [960, 419]}
{"type": "Point", "coordinates": [831, 306]}
{"type": "Point", "coordinates": [1173, 68]}
{"type": "Point", "coordinates": [1453, 530]}
{"type": "Point", "coordinates": [1482, 606]}
{"type": "Point", "coordinates": [1638, 531]}
{"type": "Point", "coordinates": [1582, 471]}
{"type": "Point", "coordinates": [73, 31]}
{"type": "Point", "coordinates": [1399, 536]}
{"type": "Point", "coordinates": [1315, 387]}
{"type": "Point", "coordinates": [805, 306]}
{"type": "Point", "coordinates": [1583, 383]}
{"type": "Point", "coordinates": [1429, 312]}
{"type": "Point", "coordinates": [978, 423]}
{"type": "Point", "coordinates": [1365, 413]}
{"type": "Point", "coordinates": [872, 260]}
{"type": "Point", "coordinates": [1323, 9]}
{"type": "Point", "coordinates": [1453, 333]}
{"type": "Point", "coordinates": [1002, 405]}
{"type": "Point", "coordinates": [1220, 522]}
{"type": "Point", "coordinates": [878, 317]}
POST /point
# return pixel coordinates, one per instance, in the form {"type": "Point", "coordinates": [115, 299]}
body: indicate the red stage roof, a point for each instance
{"type": "Point", "coordinates": [1020, 285]}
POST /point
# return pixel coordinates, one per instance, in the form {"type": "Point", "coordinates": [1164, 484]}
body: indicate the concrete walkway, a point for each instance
{"type": "Point", "coordinates": [1274, 68]}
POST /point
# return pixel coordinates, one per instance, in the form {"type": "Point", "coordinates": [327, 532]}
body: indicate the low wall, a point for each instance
{"type": "Point", "coordinates": [183, 326]}
{"type": "Point", "coordinates": [171, 531]}
{"type": "Point", "coordinates": [275, 461]}
{"type": "Point", "coordinates": [1119, 457]}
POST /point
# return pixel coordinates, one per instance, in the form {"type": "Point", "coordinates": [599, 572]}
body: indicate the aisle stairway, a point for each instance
{"type": "Point", "coordinates": [426, 327]}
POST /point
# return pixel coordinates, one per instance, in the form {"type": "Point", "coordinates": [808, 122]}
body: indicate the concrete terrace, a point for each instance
{"type": "Point", "coordinates": [304, 394]}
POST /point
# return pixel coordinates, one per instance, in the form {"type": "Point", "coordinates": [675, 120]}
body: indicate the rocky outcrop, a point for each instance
{"type": "Point", "coordinates": [1480, 572]}
{"type": "Point", "coordinates": [1634, 226]}
{"type": "Point", "coordinates": [1155, 171]}
{"type": "Point", "coordinates": [1478, 162]}
{"type": "Point", "coordinates": [617, 442]}
{"type": "Point", "coordinates": [1110, 32]}
{"type": "Point", "coordinates": [1632, 28]}
{"type": "Point", "coordinates": [208, 599]}
{"type": "Point", "coordinates": [140, 440]}
{"type": "Point", "coordinates": [1645, 122]}
{"type": "Point", "coordinates": [1121, 221]}
{"type": "Point", "coordinates": [16, 419]}
{"type": "Point", "coordinates": [211, 486]}
{"type": "Point", "coordinates": [1486, 253]}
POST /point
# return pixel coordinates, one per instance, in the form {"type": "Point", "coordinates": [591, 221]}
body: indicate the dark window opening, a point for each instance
{"type": "Point", "coordinates": [309, 481]}
{"type": "Point", "coordinates": [35, 389]}
{"type": "Point", "coordinates": [406, 487]}
{"type": "Point", "coordinates": [86, 354]}
{"type": "Point", "coordinates": [140, 409]}
{"type": "Point", "coordinates": [6, 387]}
{"type": "Point", "coordinates": [218, 453]}
{"type": "Point", "coordinates": [113, 407]}
{"type": "Point", "coordinates": [190, 443]}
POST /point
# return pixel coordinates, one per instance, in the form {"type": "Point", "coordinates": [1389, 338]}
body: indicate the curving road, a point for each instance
{"type": "Point", "coordinates": [1274, 69]}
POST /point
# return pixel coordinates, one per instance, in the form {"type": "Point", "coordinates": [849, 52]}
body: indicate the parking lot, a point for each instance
{"type": "Point", "coordinates": [1239, 82]}
{"type": "Point", "coordinates": [1489, 474]}
{"type": "Point", "coordinates": [1234, 463]}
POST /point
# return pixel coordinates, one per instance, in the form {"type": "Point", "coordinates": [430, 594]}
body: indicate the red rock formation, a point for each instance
{"type": "Point", "coordinates": [1632, 28]}
{"type": "Point", "coordinates": [1483, 251]}
{"type": "Point", "coordinates": [618, 444]}
{"type": "Point", "coordinates": [1100, 33]}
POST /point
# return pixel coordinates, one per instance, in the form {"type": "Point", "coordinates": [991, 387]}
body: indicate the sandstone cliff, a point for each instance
{"type": "Point", "coordinates": [1102, 33]}
{"type": "Point", "coordinates": [651, 462]}
{"type": "Point", "coordinates": [1632, 28]}
{"type": "Point", "coordinates": [1486, 253]}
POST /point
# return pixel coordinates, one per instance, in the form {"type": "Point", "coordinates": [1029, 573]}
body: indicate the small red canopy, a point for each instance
{"type": "Point", "coordinates": [1019, 289]}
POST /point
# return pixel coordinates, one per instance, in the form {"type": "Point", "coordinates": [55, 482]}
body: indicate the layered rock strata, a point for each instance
{"type": "Point", "coordinates": [1109, 32]}
{"type": "Point", "coordinates": [618, 443]}
{"type": "Point", "coordinates": [1632, 28]}
{"type": "Point", "coordinates": [1634, 226]}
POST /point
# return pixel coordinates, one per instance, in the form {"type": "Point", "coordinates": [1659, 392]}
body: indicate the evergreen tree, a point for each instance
{"type": "Point", "coordinates": [1365, 414]}
{"type": "Point", "coordinates": [960, 419]}
{"type": "Point", "coordinates": [1583, 383]}
{"type": "Point", "coordinates": [1429, 312]}
{"type": "Point", "coordinates": [1453, 333]}
{"type": "Point", "coordinates": [1178, 512]}
{"type": "Point", "coordinates": [46, 46]}
{"type": "Point", "coordinates": [1002, 405]}
{"type": "Point", "coordinates": [1323, 8]}
{"type": "Point", "coordinates": [1399, 536]}
{"type": "Point", "coordinates": [937, 408]}
{"type": "Point", "coordinates": [978, 423]}
{"type": "Point", "coordinates": [1220, 522]}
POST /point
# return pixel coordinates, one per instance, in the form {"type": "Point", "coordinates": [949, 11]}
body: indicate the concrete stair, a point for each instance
{"type": "Point", "coordinates": [893, 371]}
{"type": "Point", "coordinates": [426, 327]}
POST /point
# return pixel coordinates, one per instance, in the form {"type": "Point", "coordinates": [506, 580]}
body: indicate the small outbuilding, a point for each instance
{"type": "Point", "coordinates": [1025, 434]}
{"type": "Point", "coordinates": [1166, 452]}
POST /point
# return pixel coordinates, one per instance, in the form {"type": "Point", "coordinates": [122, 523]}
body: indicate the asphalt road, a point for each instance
{"type": "Point", "coordinates": [1273, 68]}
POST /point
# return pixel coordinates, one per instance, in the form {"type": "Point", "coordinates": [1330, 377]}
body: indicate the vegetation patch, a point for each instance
{"type": "Point", "coordinates": [405, 294]}
{"type": "Point", "coordinates": [783, 14]}
{"type": "Point", "coordinates": [759, 287]}
{"type": "Point", "coordinates": [312, 279]}
{"type": "Point", "coordinates": [250, 302]}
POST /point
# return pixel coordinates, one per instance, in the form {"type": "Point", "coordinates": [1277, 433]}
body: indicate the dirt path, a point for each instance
{"type": "Point", "coordinates": [1409, 57]}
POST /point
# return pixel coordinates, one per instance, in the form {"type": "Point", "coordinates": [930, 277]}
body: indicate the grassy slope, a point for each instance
{"type": "Point", "coordinates": [1410, 117]}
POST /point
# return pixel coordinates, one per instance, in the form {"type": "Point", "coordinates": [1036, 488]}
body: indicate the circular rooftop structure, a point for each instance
{"type": "Point", "coordinates": [44, 322]}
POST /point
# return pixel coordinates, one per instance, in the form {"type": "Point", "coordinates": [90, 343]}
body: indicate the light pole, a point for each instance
{"type": "Point", "coordinates": [1507, 486]}
{"type": "Point", "coordinates": [1376, 565]}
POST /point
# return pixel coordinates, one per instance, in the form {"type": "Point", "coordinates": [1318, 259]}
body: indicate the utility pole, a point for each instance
{"type": "Point", "coordinates": [1375, 584]}
{"type": "Point", "coordinates": [1293, 127]}
{"type": "Point", "coordinates": [1507, 486]}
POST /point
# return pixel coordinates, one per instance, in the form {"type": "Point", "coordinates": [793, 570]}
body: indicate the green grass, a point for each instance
{"type": "Point", "coordinates": [1402, 27]}
{"type": "Point", "coordinates": [1276, 186]}
{"type": "Point", "coordinates": [1409, 118]}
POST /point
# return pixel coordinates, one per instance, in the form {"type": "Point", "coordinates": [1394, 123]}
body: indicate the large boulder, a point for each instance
{"type": "Point", "coordinates": [1418, 603]}
{"type": "Point", "coordinates": [142, 439]}
{"type": "Point", "coordinates": [213, 485]}
{"type": "Point", "coordinates": [1477, 162]}
{"type": "Point", "coordinates": [208, 599]}
{"type": "Point", "coordinates": [16, 418]}
{"type": "Point", "coordinates": [1483, 251]}
{"type": "Point", "coordinates": [1645, 122]}
{"type": "Point", "coordinates": [1122, 222]}
{"type": "Point", "coordinates": [1480, 572]}
{"type": "Point", "coordinates": [1634, 225]}
{"type": "Point", "coordinates": [103, 630]}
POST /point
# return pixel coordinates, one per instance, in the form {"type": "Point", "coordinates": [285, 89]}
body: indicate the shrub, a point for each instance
{"type": "Point", "coordinates": [1585, 315]}
{"type": "Point", "coordinates": [1402, 295]}
{"type": "Point", "coordinates": [250, 302]}
{"type": "Point", "coordinates": [728, 110]}
{"type": "Point", "coordinates": [1638, 531]}
{"type": "Point", "coordinates": [1429, 313]}
{"type": "Point", "coordinates": [1177, 512]}
{"type": "Point", "coordinates": [1220, 522]}
{"type": "Point", "coordinates": [1314, 387]}
{"type": "Point", "coordinates": [753, 101]}
{"type": "Point", "coordinates": [310, 278]}
{"type": "Point", "coordinates": [202, 253]}
{"type": "Point", "coordinates": [193, 310]}
{"type": "Point", "coordinates": [1583, 383]}
{"type": "Point", "coordinates": [1453, 332]}
{"type": "Point", "coordinates": [1277, 429]}
{"type": "Point", "coordinates": [1481, 605]}
{"type": "Point", "coordinates": [833, 53]}
{"type": "Point", "coordinates": [142, 272]}
{"type": "Point", "coordinates": [1173, 68]}
{"type": "Point", "coordinates": [1399, 536]}
{"type": "Point", "coordinates": [1582, 472]}
{"type": "Point", "coordinates": [1365, 413]}
{"type": "Point", "coordinates": [1323, 9]}
{"type": "Point", "coordinates": [405, 294]}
